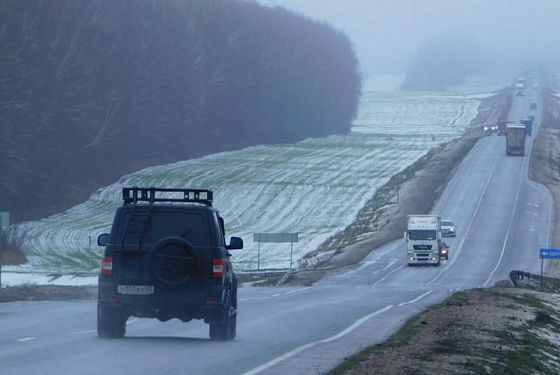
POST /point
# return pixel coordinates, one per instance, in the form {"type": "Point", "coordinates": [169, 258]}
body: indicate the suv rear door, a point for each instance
{"type": "Point", "coordinates": [167, 247]}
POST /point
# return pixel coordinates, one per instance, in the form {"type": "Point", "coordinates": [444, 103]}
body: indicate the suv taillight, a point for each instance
{"type": "Point", "coordinates": [107, 266]}
{"type": "Point", "coordinates": [218, 268]}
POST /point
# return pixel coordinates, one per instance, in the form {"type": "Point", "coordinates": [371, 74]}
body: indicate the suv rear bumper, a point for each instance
{"type": "Point", "coordinates": [210, 307]}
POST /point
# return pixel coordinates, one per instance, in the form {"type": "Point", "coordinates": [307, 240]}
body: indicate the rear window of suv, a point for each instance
{"type": "Point", "coordinates": [192, 226]}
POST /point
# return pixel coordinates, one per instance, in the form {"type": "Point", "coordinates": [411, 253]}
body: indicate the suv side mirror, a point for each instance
{"type": "Point", "coordinates": [235, 243]}
{"type": "Point", "coordinates": [103, 239]}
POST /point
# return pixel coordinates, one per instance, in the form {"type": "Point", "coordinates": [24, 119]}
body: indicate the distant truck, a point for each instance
{"type": "Point", "coordinates": [528, 123]}
{"type": "Point", "coordinates": [515, 140]}
{"type": "Point", "coordinates": [423, 239]}
{"type": "Point", "coordinates": [519, 89]}
{"type": "Point", "coordinates": [502, 124]}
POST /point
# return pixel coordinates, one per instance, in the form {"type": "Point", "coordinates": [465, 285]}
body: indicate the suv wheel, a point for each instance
{"type": "Point", "coordinates": [227, 329]}
{"type": "Point", "coordinates": [110, 323]}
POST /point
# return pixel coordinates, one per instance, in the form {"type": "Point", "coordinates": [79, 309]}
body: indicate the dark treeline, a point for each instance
{"type": "Point", "coordinates": [94, 89]}
{"type": "Point", "coordinates": [444, 61]}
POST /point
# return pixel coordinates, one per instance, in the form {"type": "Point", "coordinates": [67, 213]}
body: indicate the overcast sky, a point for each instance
{"type": "Point", "coordinates": [387, 33]}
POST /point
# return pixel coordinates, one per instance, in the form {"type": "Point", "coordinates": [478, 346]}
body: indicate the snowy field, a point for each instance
{"type": "Point", "coordinates": [314, 187]}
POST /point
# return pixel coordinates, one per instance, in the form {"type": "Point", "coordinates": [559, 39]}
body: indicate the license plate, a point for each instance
{"type": "Point", "coordinates": [135, 290]}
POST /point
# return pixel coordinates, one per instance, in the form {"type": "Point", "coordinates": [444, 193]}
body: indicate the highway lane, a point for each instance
{"type": "Point", "coordinates": [502, 220]}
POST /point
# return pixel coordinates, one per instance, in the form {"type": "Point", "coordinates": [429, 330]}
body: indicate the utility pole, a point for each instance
{"type": "Point", "coordinates": [4, 225]}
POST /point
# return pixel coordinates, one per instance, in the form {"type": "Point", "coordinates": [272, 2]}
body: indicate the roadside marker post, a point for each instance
{"type": "Point", "coordinates": [4, 226]}
{"type": "Point", "coordinates": [548, 254]}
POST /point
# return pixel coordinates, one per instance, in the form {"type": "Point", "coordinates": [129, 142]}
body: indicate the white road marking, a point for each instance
{"type": "Point", "coordinates": [353, 271]}
{"type": "Point", "coordinates": [84, 332]}
{"type": "Point", "coordinates": [386, 276]}
{"type": "Point", "coordinates": [274, 295]}
{"type": "Point", "coordinates": [25, 339]}
{"type": "Point", "coordinates": [339, 335]}
{"type": "Point", "coordinates": [415, 299]}
{"type": "Point", "coordinates": [463, 238]}
{"type": "Point", "coordinates": [510, 226]}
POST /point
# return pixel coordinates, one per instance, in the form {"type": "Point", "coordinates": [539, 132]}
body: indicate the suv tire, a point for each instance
{"type": "Point", "coordinates": [227, 329]}
{"type": "Point", "coordinates": [111, 323]}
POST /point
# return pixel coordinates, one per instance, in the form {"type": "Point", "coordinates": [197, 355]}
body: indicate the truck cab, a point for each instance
{"type": "Point", "coordinates": [423, 239]}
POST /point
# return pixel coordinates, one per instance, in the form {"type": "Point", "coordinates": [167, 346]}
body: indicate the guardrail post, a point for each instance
{"type": "Point", "coordinates": [542, 264]}
{"type": "Point", "coordinates": [259, 256]}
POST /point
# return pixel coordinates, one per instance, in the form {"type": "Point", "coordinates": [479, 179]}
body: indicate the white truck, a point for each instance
{"type": "Point", "coordinates": [423, 239]}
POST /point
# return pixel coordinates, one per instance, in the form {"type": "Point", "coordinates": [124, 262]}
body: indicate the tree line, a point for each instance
{"type": "Point", "coordinates": [91, 89]}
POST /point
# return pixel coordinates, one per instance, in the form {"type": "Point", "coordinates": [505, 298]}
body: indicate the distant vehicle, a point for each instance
{"type": "Point", "coordinates": [423, 239]}
{"type": "Point", "coordinates": [515, 140]}
{"type": "Point", "coordinates": [528, 124]}
{"type": "Point", "coordinates": [165, 258]}
{"type": "Point", "coordinates": [444, 253]}
{"type": "Point", "coordinates": [501, 126]}
{"type": "Point", "coordinates": [533, 105]}
{"type": "Point", "coordinates": [447, 228]}
{"type": "Point", "coordinates": [486, 130]}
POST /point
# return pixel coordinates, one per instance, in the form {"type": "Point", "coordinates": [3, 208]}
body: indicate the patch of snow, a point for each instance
{"type": "Point", "coordinates": [34, 278]}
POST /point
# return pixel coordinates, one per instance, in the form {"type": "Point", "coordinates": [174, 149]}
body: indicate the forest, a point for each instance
{"type": "Point", "coordinates": [94, 89]}
{"type": "Point", "coordinates": [445, 60]}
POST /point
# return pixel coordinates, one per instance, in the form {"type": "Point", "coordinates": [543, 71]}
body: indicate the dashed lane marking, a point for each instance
{"type": "Point", "coordinates": [25, 339]}
{"type": "Point", "coordinates": [339, 335]}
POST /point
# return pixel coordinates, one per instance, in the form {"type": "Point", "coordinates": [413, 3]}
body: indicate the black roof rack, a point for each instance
{"type": "Point", "coordinates": [132, 195]}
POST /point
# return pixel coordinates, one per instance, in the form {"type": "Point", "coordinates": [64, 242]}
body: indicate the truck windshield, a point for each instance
{"type": "Point", "coordinates": [421, 234]}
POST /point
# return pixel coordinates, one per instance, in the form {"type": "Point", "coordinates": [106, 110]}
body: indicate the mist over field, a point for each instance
{"type": "Point", "coordinates": [389, 34]}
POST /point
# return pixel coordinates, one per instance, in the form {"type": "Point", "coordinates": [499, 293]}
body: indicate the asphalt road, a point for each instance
{"type": "Point", "coordinates": [502, 220]}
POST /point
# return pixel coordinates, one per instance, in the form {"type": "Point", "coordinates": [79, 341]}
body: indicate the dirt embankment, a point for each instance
{"type": "Point", "coordinates": [480, 331]}
{"type": "Point", "coordinates": [47, 293]}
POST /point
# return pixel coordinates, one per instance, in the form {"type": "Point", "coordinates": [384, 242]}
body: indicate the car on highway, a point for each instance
{"type": "Point", "coordinates": [166, 257]}
{"type": "Point", "coordinates": [447, 228]}
{"type": "Point", "coordinates": [444, 251]}
{"type": "Point", "coordinates": [489, 129]}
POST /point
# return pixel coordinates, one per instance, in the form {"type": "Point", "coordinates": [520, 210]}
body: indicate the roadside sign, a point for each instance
{"type": "Point", "coordinates": [550, 254]}
{"type": "Point", "coordinates": [275, 237]}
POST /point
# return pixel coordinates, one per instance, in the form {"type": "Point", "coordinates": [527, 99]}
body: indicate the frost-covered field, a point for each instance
{"type": "Point", "coordinates": [314, 187]}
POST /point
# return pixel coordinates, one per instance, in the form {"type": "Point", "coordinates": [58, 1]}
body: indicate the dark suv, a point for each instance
{"type": "Point", "coordinates": [166, 258]}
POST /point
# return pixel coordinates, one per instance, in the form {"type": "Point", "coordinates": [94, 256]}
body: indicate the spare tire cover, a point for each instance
{"type": "Point", "coordinates": [173, 260]}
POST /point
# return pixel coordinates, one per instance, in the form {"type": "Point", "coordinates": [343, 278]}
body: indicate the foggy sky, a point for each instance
{"type": "Point", "coordinates": [387, 33]}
